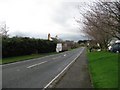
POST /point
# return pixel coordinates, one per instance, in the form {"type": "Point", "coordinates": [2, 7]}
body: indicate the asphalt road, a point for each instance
{"type": "Point", "coordinates": [36, 73]}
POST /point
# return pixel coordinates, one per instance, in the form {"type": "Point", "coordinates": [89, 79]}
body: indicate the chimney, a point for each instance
{"type": "Point", "coordinates": [49, 36]}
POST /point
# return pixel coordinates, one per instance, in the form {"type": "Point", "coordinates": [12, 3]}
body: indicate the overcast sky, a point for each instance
{"type": "Point", "coordinates": [37, 18]}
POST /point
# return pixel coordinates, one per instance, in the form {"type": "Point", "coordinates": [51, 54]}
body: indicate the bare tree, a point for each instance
{"type": "Point", "coordinates": [109, 15]}
{"type": "Point", "coordinates": [102, 22]}
{"type": "Point", "coordinates": [3, 30]}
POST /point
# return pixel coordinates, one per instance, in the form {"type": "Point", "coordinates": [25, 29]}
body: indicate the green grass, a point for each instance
{"type": "Point", "coordinates": [21, 58]}
{"type": "Point", "coordinates": [103, 67]}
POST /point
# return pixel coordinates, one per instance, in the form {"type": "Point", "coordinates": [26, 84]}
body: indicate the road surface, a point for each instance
{"type": "Point", "coordinates": [37, 73]}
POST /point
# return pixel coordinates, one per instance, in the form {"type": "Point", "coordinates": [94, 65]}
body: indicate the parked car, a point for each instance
{"type": "Point", "coordinates": [115, 48]}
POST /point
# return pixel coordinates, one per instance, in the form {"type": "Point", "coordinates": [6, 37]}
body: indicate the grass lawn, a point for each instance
{"type": "Point", "coordinates": [26, 57]}
{"type": "Point", "coordinates": [103, 67]}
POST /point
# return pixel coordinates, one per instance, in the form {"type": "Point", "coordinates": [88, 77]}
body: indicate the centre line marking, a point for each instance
{"type": "Point", "coordinates": [64, 55]}
{"type": "Point", "coordinates": [36, 64]}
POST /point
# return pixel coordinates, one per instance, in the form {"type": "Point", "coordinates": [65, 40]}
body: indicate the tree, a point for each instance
{"type": "Point", "coordinates": [3, 30]}
{"type": "Point", "coordinates": [102, 22]}
{"type": "Point", "coordinates": [110, 12]}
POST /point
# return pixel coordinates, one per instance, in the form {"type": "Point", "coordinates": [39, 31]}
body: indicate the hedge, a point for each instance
{"type": "Point", "coordinates": [17, 46]}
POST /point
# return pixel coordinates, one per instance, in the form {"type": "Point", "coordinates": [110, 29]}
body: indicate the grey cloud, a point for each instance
{"type": "Point", "coordinates": [28, 34]}
{"type": "Point", "coordinates": [73, 37]}
{"type": "Point", "coordinates": [17, 33]}
{"type": "Point", "coordinates": [63, 13]}
{"type": "Point", "coordinates": [64, 16]}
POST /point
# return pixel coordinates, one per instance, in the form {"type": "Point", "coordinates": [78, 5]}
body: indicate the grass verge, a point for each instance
{"type": "Point", "coordinates": [21, 58]}
{"type": "Point", "coordinates": [103, 67]}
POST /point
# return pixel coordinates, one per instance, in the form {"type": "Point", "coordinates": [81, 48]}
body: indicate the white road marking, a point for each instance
{"type": "Point", "coordinates": [36, 64]}
{"type": "Point", "coordinates": [62, 71]}
{"type": "Point", "coordinates": [64, 54]}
